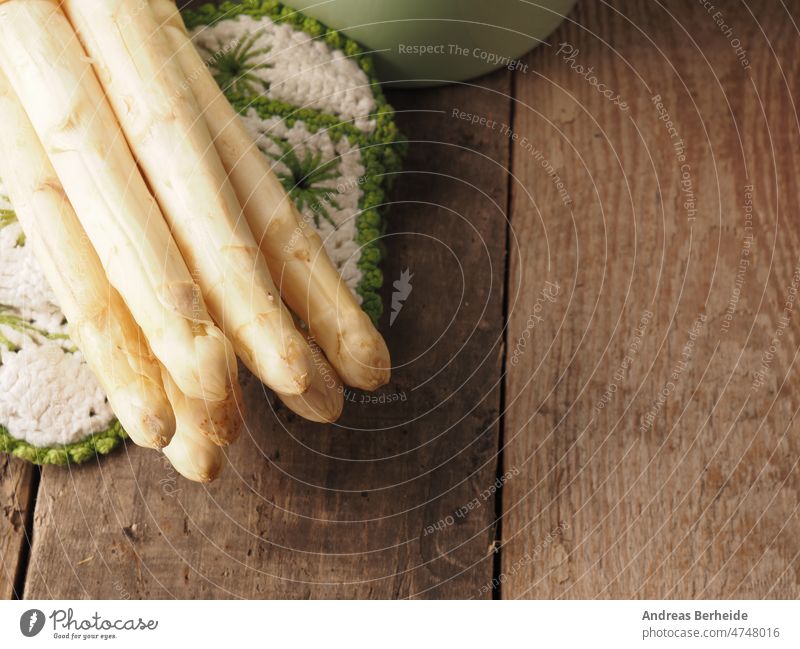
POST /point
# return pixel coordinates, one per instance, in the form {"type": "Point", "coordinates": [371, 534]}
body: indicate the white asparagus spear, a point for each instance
{"type": "Point", "coordinates": [300, 267]}
{"type": "Point", "coordinates": [218, 421]}
{"type": "Point", "coordinates": [46, 65]}
{"type": "Point", "coordinates": [324, 399]}
{"type": "Point", "coordinates": [171, 142]}
{"type": "Point", "coordinates": [192, 454]}
{"type": "Point", "coordinates": [99, 322]}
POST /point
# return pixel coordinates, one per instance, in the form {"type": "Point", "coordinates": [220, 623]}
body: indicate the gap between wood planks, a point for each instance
{"type": "Point", "coordinates": [24, 557]}
{"type": "Point", "coordinates": [497, 592]}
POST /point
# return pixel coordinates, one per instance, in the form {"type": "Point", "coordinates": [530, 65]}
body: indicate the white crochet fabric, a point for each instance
{"type": "Point", "coordinates": [22, 284]}
{"type": "Point", "coordinates": [48, 396]}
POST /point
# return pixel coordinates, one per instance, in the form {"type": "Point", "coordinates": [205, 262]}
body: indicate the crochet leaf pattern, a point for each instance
{"type": "Point", "coordinates": [7, 217]}
{"type": "Point", "coordinates": [11, 319]}
{"type": "Point", "coordinates": [304, 178]}
{"type": "Point", "coordinates": [234, 67]}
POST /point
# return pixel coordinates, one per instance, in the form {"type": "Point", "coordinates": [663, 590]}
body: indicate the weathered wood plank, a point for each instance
{"type": "Point", "coordinates": [16, 494]}
{"type": "Point", "coordinates": [652, 463]}
{"type": "Point", "coordinates": [335, 511]}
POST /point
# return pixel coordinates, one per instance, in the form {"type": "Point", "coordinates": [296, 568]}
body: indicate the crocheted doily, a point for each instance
{"type": "Point", "coordinates": [310, 98]}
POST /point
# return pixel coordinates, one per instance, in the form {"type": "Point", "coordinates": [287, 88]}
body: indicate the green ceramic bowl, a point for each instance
{"type": "Point", "coordinates": [429, 42]}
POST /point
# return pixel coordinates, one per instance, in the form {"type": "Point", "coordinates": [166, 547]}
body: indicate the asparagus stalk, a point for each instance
{"type": "Point", "coordinates": [47, 67]}
{"type": "Point", "coordinates": [191, 452]}
{"type": "Point", "coordinates": [307, 279]}
{"type": "Point", "coordinates": [171, 142]}
{"type": "Point", "coordinates": [324, 399]}
{"type": "Point", "coordinates": [220, 422]}
{"type": "Point", "coordinates": [99, 322]}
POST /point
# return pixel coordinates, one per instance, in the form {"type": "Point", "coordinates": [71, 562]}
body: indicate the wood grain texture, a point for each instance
{"type": "Point", "coordinates": [16, 494]}
{"type": "Point", "coordinates": [653, 462]}
{"type": "Point", "coordinates": [305, 510]}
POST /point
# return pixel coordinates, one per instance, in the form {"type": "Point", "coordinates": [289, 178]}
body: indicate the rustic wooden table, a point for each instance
{"type": "Point", "coordinates": [603, 321]}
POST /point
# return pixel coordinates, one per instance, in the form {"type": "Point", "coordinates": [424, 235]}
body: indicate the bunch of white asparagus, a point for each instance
{"type": "Point", "coordinates": [168, 241]}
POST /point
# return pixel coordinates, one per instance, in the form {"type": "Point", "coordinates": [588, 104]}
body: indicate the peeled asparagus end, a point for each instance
{"type": "Point", "coordinates": [192, 454]}
{"type": "Point", "coordinates": [364, 361]}
{"type": "Point", "coordinates": [127, 372]}
{"type": "Point", "coordinates": [323, 402]}
{"type": "Point", "coordinates": [195, 457]}
{"type": "Point", "coordinates": [218, 422]}
{"type": "Point", "coordinates": [322, 406]}
{"type": "Point", "coordinates": [146, 426]}
{"type": "Point", "coordinates": [286, 368]}
{"type": "Point", "coordinates": [222, 421]}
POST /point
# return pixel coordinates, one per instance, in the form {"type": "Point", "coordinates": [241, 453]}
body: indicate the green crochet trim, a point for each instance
{"type": "Point", "coordinates": [382, 150]}
{"type": "Point", "coordinates": [101, 443]}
